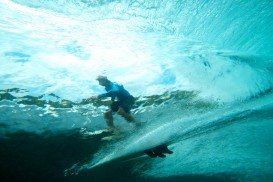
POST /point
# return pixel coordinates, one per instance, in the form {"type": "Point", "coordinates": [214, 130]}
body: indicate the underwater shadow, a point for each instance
{"type": "Point", "coordinates": [44, 157]}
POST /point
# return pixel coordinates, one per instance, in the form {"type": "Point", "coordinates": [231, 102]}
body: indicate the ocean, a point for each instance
{"type": "Point", "coordinates": [200, 72]}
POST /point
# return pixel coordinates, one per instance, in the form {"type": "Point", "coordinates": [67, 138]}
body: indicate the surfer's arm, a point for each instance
{"type": "Point", "coordinates": [111, 93]}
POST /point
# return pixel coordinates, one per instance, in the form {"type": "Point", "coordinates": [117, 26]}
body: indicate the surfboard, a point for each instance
{"type": "Point", "coordinates": [158, 151]}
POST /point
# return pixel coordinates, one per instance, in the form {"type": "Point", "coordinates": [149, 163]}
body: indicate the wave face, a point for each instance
{"type": "Point", "coordinates": [201, 72]}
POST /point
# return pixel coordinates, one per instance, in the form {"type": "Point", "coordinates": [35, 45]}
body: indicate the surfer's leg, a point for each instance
{"type": "Point", "coordinates": [109, 118]}
{"type": "Point", "coordinates": [124, 109]}
{"type": "Point", "coordinates": [128, 116]}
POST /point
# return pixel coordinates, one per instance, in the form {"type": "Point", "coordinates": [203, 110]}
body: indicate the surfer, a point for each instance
{"type": "Point", "coordinates": [122, 101]}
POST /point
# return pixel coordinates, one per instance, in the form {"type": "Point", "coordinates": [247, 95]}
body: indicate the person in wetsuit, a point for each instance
{"type": "Point", "coordinates": [122, 101]}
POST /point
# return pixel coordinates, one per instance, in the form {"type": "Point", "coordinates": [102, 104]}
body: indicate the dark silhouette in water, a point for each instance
{"type": "Point", "coordinates": [158, 151]}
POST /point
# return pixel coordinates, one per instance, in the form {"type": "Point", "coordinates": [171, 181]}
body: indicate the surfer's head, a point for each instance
{"type": "Point", "coordinates": [103, 80]}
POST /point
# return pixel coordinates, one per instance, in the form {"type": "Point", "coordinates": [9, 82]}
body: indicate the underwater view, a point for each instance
{"type": "Point", "coordinates": [200, 72]}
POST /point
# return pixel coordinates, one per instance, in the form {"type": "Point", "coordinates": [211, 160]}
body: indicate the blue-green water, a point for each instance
{"type": "Point", "coordinates": [201, 72]}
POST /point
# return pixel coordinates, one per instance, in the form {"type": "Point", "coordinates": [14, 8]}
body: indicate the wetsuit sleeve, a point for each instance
{"type": "Point", "coordinates": [111, 93]}
{"type": "Point", "coordinates": [104, 95]}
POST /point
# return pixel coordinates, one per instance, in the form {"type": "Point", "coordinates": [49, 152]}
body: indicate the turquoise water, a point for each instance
{"type": "Point", "coordinates": [201, 72]}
